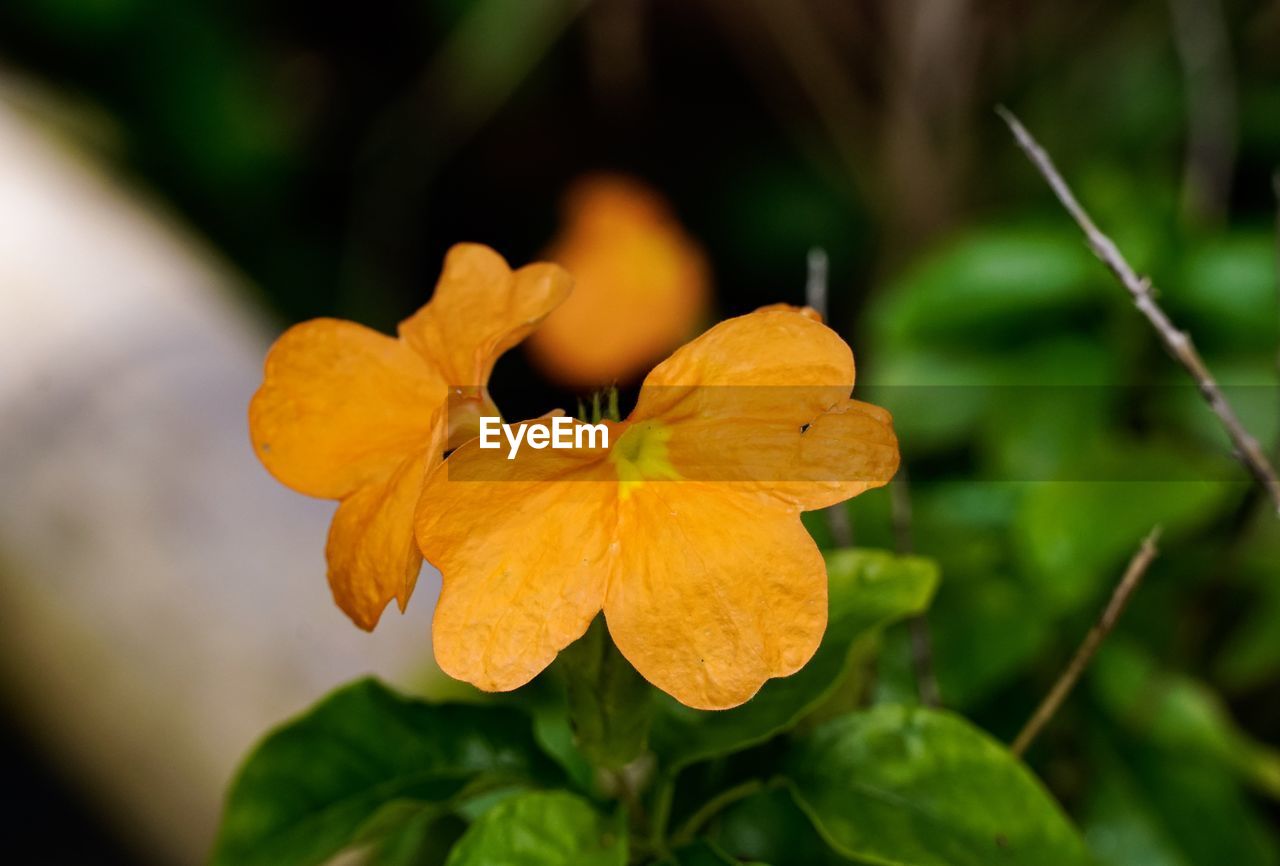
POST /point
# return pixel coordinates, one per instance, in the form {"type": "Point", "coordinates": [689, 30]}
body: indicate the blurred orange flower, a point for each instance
{"type": "Point", "coordinates": [641, 285]}
{"type": "Point", "coordinates": [685, 531]}
{"type": "Point", "coordinates": [347, 413]}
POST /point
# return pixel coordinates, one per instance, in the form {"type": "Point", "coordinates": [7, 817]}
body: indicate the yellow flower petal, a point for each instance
{"type": "Point", "coordinates": [340, 407]}
{"type": "Point", "coordinates": [371, 551]}
{"type": "Point", "coordinates": [776, 346]}
{"type": "Point", "coordinates": [481, 309]}
{"type": "Point", "coordinates": [716, 590]}
{"type": "Point", "coordinates": [763, 400]}
{"type": "Point", "coordinates": [523, 548]}
{"type": "Point", "coordinates": [845, 451]}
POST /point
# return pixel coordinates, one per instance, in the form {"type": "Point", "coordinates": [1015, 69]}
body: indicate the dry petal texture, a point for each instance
{"type": "Point", "coordinates": [642, 285]}
{"type": "Point", "coordinates": [348, 413]}
{"type": "Point", "coordinates": [686, 531]}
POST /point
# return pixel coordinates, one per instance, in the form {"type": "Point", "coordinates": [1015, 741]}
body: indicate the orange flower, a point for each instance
{"type": "Point", "coordinates": [641, 285]}
{"type": "Point", "coordinates": [685, 531]}
{"type": "Point", "coordinates": [347, 413]}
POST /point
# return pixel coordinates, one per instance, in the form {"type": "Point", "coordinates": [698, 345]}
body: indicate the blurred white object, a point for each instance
{"type": "Point", "coordinates": [162, 599]}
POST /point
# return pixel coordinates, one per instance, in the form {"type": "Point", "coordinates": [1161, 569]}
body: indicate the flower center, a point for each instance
{"type": "Point", "coordinates": [641, 454]}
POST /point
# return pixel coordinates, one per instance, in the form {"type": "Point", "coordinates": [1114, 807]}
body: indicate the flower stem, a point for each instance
{"type": "Point", "coordinates": [689, 829]}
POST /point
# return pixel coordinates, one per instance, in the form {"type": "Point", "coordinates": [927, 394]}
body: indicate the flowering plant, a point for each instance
{"type": "Point", "coordinates": [669, 656]}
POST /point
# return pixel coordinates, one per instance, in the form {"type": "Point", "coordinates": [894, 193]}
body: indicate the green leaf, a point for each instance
{"type": "Point", "coordinates": [1036, 427]}
{"type": "Point", "coordinates": [361, 762]}
{"type": "Point", "coordinates": [1252, 652]}
{"type": "Point", "coordinates": [704, 853]}
{"type": "Point", "coordinates": [939, 399]}
{"type": "Point", "coordinates": [1004, 284]}
{"type": "Point", "coordinates": [548, 828]}
{"type": "Point", "coordinates": [1191, 812]}
{"type": "Point", "coordinates": [1179, 713]}
{"type": "Point", "coordinates": [1119, 825]}
{"type": "Point", "coordinates": [942, 398]}
{"type": "Point", "coordinates": [1224, 283]}
{"type": "Point", "coordinates": [986, 630]}
{"type": "Point", "coordinates": [423, 841]}
{"type": "Point", "coordinates": [920, 787]}
{"type": "Point", "coordinates": [610, 705]}
{"type": "Point", "coordinates": [769, 827]}
{"type": "Point", "coordinates": [1073, 554]}
{"type": "Point", "coordinates": [1208, 813]}
{"type": "Point", "coordinates": [1248, 383]}
{"type": "Point", "coordinates": [1251, 656]}
{"type": "Point", "coordinates": [868, 589]}
{"type": "Point", "coordinates": [554, 733]}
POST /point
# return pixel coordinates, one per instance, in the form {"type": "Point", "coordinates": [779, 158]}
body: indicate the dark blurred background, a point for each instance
{"type": "Point", "coordinates": [331, 153]}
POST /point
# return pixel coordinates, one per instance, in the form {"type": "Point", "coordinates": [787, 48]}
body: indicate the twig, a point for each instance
{"type": "Point", "coordinates": [1204, 51]}
{"type": "Point", "coordinates": [1275, 188]}
{"type": "Point", "coordinates": [662, 799]}
{"type": "Point", "coordinates": [917, 626]}
{"type": "Point", "coordinates": [1178, 343]}
{"type": "Point", "coordinates": [815, 285]}
{"type": "Point", "coordinates": [900, 512]}
{"type": "Point", "coordinates": [1110, 615]}
{"type": "Point", "coordinates": [816, 294]}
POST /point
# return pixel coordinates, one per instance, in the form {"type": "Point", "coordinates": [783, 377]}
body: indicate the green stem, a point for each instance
{"type": "Point", "coordinates": [666, 788]}
{"type": "Point", "coordinates": [717, 803]}
{"type": "Point", "coordinates": [610, 705]}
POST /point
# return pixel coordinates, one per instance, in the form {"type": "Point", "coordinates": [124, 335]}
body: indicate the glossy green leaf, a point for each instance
{"type": "Point", "coordinates": [359, 763]}
{"type": "Point", "coordinates": [548, 828]}
{"type": "Point", "coordinates": [1179, 713]}
{"type": "Point", "coordinates": [922, 787]}
{"type": "Point", "coordinates": [610, 705]}
{"type": "Point", "coordinates": [1001, 284]}
{"type": "Point", "coordinates": [868, 589]}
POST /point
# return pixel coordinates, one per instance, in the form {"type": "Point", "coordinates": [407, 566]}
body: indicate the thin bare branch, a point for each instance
{"type": "Point", "coordinates": [816, 294]}
{"type": "Point", "coordinates": [815, 287]}
{"type": "Point", "coordinates": [900, 512]}
{"type": "Point", "coordinates": [1204, 50]}
{"type": "Point", "coordinates": [1110, 616]}
{"type": "Point", "coordinates": [917, 626]}
{"type": "Point", "coordinates": [1275, 188]}
{"type": "Point", "coordinates": [1178, 343]}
